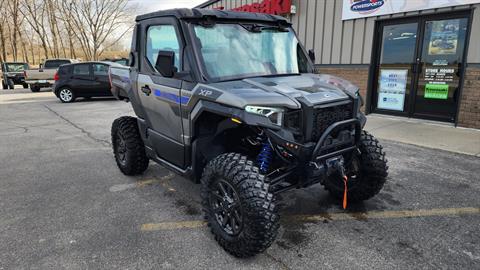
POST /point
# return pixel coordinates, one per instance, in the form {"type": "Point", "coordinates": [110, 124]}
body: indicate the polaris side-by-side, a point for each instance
{"type": "Point", "coordinates": [230, 100]}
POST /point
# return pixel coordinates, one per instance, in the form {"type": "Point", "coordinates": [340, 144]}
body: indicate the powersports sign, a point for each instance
{"type": "Point", "coordinates": [275, 7]}
{"type": "Point", "coordinates": [353, 9]}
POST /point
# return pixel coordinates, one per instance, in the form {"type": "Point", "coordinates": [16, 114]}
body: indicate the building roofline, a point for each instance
{"type": "Point", "coordinates": [207, 3]}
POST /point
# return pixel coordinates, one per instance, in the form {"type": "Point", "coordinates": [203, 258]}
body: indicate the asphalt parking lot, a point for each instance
{"type": "Point", "coordinates": [65, 205]}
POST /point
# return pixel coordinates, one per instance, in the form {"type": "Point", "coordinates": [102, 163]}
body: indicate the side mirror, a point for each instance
{"type": "Point", "coordinates": [40, 67]}
{"type": "Point", "coordinates": [311, 54]}
{"type": "Point", "coordinates": [131, 59]}
{"type": "Point", "coordinates": [166, 63]}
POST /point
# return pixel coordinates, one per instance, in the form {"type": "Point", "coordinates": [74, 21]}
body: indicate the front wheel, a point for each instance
{"type": "Point", "coordinates": [128, 146]}
{"type": "Point", "coordinates": [66, 95]}
{"type": "Point", "coordinates": [25, 85]}
{"type": "Point", "coordinates": [366, 170]}
{"type": "Point", "coordinates": [11, 84]}
{"type": "Point", "coordinates": [238, 207]}
{"type": "Point", "coordinates": [4, 86]}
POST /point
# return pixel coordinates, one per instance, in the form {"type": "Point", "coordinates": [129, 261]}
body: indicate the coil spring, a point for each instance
{"type": "Point", "coordinates": [265, 157]}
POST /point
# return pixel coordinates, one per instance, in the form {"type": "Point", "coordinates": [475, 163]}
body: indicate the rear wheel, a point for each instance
{"type": "Point", "coordinates": [25, 85]}
{"type": "Point", "coordinates": [34, 88]}
{"type": "Point", "coordinates": [366, 171]}
{"type": "Point", "coordinates": [4, 86]}
{"type": "Point", "coordinates": [66, 95]}
{"type": "Point", "coordinates": [238, 207]}
{"type": "Point", "coordinates": [128, 147]}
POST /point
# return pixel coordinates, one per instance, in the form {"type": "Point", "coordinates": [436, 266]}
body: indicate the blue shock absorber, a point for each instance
{"type": "Point", "coordinates": [265, 157]}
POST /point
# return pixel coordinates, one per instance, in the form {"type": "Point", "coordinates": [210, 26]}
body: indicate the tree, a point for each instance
{"type": "Point", "coordinates": [14, 28]}
{"type": "Point", "coordinates": [3, 22]}
{"type": "Point", "coordinates": [99, 24]}
{"type": "Point", "coordinates": [34, 12]}
{"type": "Point", "coordinates": [62, 28]}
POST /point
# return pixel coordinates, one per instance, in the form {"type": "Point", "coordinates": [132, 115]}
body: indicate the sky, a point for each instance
{"type": "Point", "coordinates": [146, 6]}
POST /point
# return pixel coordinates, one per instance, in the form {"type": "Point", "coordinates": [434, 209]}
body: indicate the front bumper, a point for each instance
{"type": "Point", "coordinates": [313, 162]}
{"type": "Point", "coordinates": [41, 83]}
{"type": "Point", "coordinates": [17, 79]}
{"type": "Point", "coordinates": [337, 139]}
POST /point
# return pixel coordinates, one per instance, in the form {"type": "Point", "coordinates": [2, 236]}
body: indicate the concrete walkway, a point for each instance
{"type": "Point", "coordinates": [429, 134]}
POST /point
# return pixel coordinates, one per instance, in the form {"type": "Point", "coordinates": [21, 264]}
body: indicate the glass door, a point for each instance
{"type": "Point", "coordinates": [395, 72]}
{"type": "Point", "coordinates": [441, 65]}
{"type": "Point", "coordinates": [418, 66]}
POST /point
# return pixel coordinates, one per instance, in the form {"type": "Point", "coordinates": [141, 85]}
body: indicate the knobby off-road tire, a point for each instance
{"type": "Point", "coordinates": [11, 84]}
{"type": "Point", "coordinates": [253, 222]}
{"type": "Point", "coordinates": [128, 147]}
{"type": "Point", "coordinates": [367, 172]}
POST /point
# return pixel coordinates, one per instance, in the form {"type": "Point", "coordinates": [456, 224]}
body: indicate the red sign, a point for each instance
{"type": "Point", "coordinates": [275, 7]}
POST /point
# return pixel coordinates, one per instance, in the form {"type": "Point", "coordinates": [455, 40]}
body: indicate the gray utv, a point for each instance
{"type": "Point", "coordinates": [229, 100]}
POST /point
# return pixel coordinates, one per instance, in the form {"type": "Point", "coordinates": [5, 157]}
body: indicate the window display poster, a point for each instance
{"type": "Point", "coordinates": [392, 88]}
{"type": "Point", "coordinates": [444, 37]}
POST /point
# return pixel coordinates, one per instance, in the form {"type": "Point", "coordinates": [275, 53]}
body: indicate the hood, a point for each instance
{"type": "Point", "coordinates": [285, 91]}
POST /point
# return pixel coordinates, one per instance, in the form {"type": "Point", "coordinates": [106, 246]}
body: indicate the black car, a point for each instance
{"type": "Point", "coordinates": [121, 61]}
{"type": "Point", "coordinates": [12, 74]}
{"type": "Point", "coordinates": [87, 79]}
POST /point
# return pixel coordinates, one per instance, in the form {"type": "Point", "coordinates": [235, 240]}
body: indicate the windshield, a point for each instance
{"type": "Point", "coordinates": [55, 63]}
{"type": "Point", "coordinates": [121, 62]}
{"type": "Point", "coordinates": [15, 67]}
{"type": "Point", "coordinates": [232, 51]}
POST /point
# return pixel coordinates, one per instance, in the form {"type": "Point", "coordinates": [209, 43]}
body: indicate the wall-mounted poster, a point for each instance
{"type": "Point", "coordinates": [392, 88]}
{"type": "Point", "coordinates": [353, 9]}
{"type": "Point", "coordinates": [444, 37]}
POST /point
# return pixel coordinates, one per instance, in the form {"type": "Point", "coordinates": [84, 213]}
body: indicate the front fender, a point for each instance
{"type": "Point", "coordinates": [247, 118]}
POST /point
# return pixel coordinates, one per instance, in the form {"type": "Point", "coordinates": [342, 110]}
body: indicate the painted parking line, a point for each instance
{"type": "Point", "coordinates": [438, 212]}
{"type": "Point", "coordinates": [146, 182]}
{"type": "Point", "coordinates": [173, 225]}
{"type": "Point", "coordinates": [87, 149]}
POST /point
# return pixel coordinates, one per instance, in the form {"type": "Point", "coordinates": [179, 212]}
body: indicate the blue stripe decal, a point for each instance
{"type": "Point", "coordinates": [171, 97]}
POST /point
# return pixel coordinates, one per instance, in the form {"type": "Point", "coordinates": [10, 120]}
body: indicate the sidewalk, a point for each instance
{"type": "Point", "coordinates": [429, 134]}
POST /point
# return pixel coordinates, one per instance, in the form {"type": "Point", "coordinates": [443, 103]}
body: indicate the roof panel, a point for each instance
{"type": "Point", "coordinates": [185, 13]}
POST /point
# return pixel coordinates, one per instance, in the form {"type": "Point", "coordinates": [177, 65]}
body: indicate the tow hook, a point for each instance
{"type": "Point", "coordinates": [337, 164]}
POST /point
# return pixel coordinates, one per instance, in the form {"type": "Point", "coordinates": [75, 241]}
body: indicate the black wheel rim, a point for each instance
{"type": "Point", "coordinates": [121, 149]}
{"type": "Point", "coordinates": [226, 208]}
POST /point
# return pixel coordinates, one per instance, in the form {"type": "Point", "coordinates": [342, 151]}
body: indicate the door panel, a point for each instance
{"type": "Point", "coordinates": [100, 80]}
{"type": "Point", "coordinates": [442, 56]}
{"type": "Point", "coordinates": [82, 79]}
{"type": "Point", "coordinates": [162, 107]}
{"type": "Point", "coordinates": [160, 96]}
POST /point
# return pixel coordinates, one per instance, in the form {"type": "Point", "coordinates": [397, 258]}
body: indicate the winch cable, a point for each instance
{"type": "Point", "coordinates": [345, 190]}
{"type": "Point", "coordinates": [341, 169]}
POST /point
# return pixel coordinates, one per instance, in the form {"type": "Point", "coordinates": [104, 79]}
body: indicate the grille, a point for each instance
{"type": "Point", "coordinates": [324, 117]}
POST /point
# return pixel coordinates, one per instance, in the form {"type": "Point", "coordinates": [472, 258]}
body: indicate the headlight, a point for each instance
{"type": "Point", "coordinates": [274, 114]}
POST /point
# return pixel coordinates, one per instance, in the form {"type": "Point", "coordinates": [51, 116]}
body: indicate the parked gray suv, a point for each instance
{"type": "Point", "coordinates": [229, 99]}
{"type": "Point", "coordinates": [12, 74]}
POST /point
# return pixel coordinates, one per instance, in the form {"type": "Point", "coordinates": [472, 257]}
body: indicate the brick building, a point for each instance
{"type": "Point", "coordinates": [417, 59]}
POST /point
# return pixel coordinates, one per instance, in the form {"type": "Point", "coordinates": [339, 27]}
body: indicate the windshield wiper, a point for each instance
{"type": "Point", "coordinates": [256, 28]}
